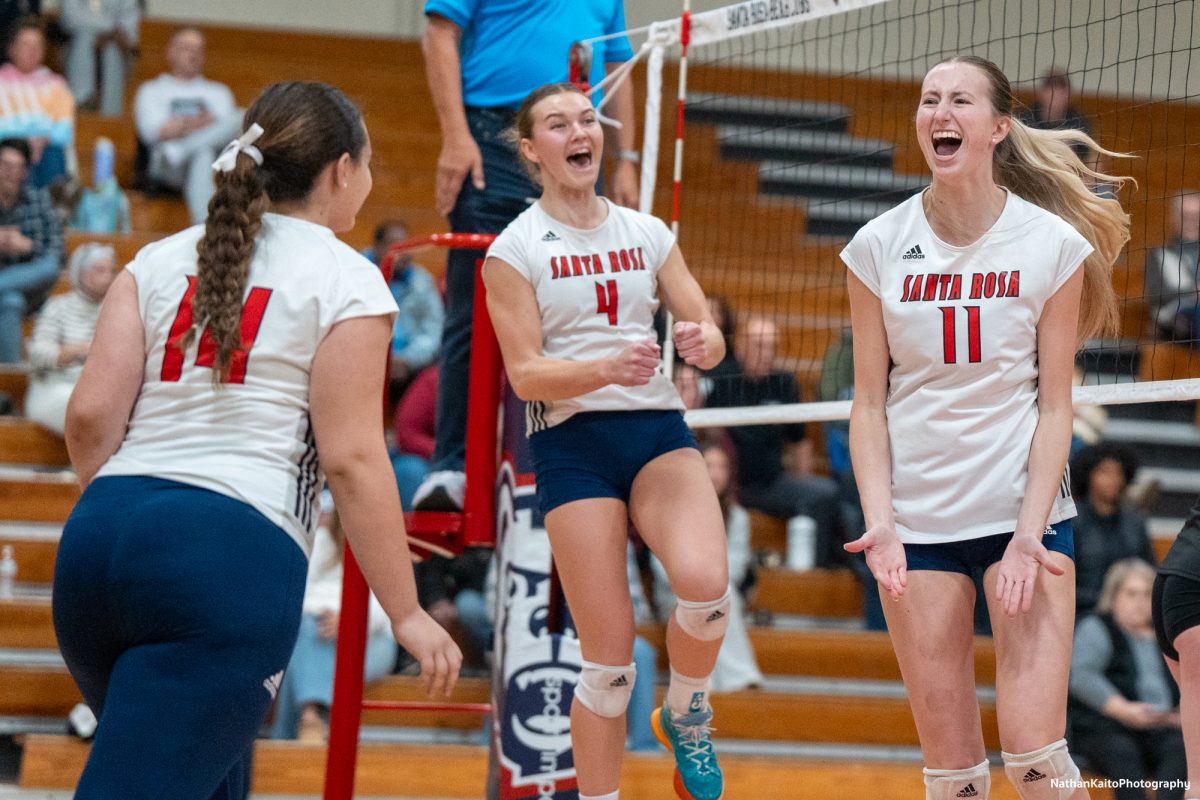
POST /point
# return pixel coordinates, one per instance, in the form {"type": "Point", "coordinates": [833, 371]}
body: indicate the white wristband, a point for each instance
{"type": "Point", "coordinates": [629, 155]}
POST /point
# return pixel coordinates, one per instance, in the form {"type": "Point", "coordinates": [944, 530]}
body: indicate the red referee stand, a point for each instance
{"type": "Point", "coordinates": [429, 532]}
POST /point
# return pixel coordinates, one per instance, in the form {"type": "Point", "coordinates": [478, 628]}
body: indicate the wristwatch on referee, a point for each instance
{"type": "Point", "coordinates": [632, 156]}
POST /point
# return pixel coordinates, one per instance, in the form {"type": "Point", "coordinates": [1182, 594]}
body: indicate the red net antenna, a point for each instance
{"type": "Point", "coordinates": [429, 533]}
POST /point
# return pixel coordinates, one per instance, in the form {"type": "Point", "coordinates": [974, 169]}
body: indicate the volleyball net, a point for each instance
{"type": "Point", "coordinates": [775, 128]}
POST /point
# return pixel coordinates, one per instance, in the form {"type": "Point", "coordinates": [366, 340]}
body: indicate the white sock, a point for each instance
{"type": "Point", "coordinates": [687, 695]}
{"type": "Point", "coordinates": [609, 796]}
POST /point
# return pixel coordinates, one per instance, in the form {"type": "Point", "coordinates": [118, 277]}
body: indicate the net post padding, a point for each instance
{"type": "Point", "coordinates": [429, 532]}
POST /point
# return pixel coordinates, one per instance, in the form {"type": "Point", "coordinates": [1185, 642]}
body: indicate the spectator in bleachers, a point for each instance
{"type": "Point", "coordinates": [453, 591]}
{"type": "Point", "coordinates": [736, 668]}
{"type": "Point", "coordinates": [307, 689]}
{"type": "Point", "coordinates": [418, 332]}
{"type": "Point", "coordinates": [1124, 705]}
{"type": "Point", "coordinates": [1108, 529]}
{"type": "Point", "coordinates": [184, 120]}
{"type": "Point", "coordinates": [413, 427]}
{"type": "Point", "coordinates": [31, 245]}
{"type": "Point", "coordinates": [774, 462]}
{"type": "Point", "coordinates": [63, 333]}
{"type": "Point", "coordinates": [36, 104]}
{"type": "Point", "coordinates": [1171, 272]}
{"type": "Point", "coordinates": [1054, 111]}
{"type": "Point", "coordinates": [103, 33]}
{"type": "Point", "coordinates": [482, 59]}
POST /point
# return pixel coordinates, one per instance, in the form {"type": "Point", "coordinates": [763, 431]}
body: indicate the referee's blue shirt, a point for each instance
{"type": "Point", "coordinates": [511, 47]}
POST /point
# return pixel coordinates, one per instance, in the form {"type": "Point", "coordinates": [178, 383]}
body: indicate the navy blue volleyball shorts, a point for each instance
{"type": "Point", "coordinates": [973, 556]}
{"type": "Point", "coordinates": [599, 453]}
{"type": "Point", "coordinates": [1176, 603]}
{"type": "Point", "coordinates": [176, 610]}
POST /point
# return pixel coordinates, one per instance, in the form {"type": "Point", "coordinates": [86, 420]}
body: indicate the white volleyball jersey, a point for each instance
{"type": "Point", "coordinates": [251, 437]}
{"type": "Point", "coordinates": [962, 389]}
{"type": "Point", "coordinates": [597, 294]}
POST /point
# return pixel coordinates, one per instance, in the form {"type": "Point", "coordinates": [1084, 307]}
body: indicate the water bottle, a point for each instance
{"type": "Point", "coordinates": [801, 543]}
{"type": "Point", "coordinates": [103, 156]}
{"type": "Point", "coordinates": [8, 573]}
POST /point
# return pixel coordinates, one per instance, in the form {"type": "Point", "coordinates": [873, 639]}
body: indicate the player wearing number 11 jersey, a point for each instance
{"type": "Point", "coordinates": [968, 302]}
{"type": "Point", "coordinates": [962, 337]}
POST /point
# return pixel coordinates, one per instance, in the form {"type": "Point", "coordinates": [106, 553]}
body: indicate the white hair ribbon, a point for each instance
{"type": "Point", "coordinates": [243, 144]}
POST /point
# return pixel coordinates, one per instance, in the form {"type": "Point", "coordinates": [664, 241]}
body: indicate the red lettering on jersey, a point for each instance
{"type": "Point", "coordinates": [949, 354]}
{"type": "Point", "coordinates": [553, 267]}
{"type": "Point", "coordinates": [944, 286]}
{"type": "Point", "coordinates": [624, 256]}
{"type": "Point", "coordinates": [976, 286]}
{"type": "Point", "coordinates": [614, 263]}
{"type": "Point", "coordinates": [1014, 284]}
{"type": "Point", "coordinates": [641, 257]}
{"type": "Point", "coordinates": [172, 366]}
{"type": "Point", "coordinates": [931, 282]}
{"type": "Point", "coordinates": [956, 288]}
{"type": "Point", "coordinates": [206, 355]}
{"type": "Point", "coordinates": [989, 285]}
{"type": "Point", "coordinates": [904, 298]}
{"type": "Point", "coordinates": [576, 266]}
{"type": "Point", "coordinates": [974, 354]}
{"type": "Point", "coordinates": [597, 264]}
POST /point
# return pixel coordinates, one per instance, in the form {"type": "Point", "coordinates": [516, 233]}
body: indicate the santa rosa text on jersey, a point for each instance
{"type": "Point", "coordinates": [984, 286]}
{"type": "Point", "coordinates": [624, 260]}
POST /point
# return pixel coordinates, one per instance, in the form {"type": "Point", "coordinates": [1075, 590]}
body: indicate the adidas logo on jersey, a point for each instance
{"type": "Point", "coordinates": [1033, 775]}
{"type": "Point", "coordinates": [714, 616]}
{"type": "Point", "coordinates": [551, 236]}
{"type": "Point", "coordinates": [271, 684]}
{"type": "Point", "coordinates": [913, 253]}
{"type": "Point", "coordinates": [968, 791]}
{"type": "Point", "coordinates": [618, 682]}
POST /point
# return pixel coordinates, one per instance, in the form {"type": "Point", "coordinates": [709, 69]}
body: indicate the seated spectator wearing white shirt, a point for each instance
{"type": "Point", "coordinates": [185, 119]}
{"type": "Point", "coordinates": [63, 334]}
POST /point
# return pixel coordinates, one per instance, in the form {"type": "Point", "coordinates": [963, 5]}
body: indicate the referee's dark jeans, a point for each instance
{"type": "Point", "coordinates": [507, 192]}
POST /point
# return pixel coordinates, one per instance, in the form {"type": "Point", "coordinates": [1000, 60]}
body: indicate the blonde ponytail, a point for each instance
{"type": "Point", "coordinates": [1039, 166]}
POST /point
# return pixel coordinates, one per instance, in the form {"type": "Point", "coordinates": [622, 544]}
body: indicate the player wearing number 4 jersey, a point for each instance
{"type": "Point", "coordinates": [572, 286]}
{"type": "Point", "coordinates": [965, 304]}
{"type": "Point", "coordinates": [230, 364]}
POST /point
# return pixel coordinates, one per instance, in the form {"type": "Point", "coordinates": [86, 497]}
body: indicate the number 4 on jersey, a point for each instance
{"type": "Point", "coordinates": [206, 355]}
{"type": "Point", "coordinates": [606, 300]}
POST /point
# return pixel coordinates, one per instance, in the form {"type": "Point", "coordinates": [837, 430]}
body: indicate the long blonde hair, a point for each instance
{"type": "Point", "coordinates": [1039, 166]}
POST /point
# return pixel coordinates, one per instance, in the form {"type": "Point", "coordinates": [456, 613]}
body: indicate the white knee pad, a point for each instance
{"type": "Point", "coordinates": [605, 690]}
{"type": "Point", "coordinates": [705, 621]}
{"type": "Point", "coordinates": [955, 784]}
{"type": "Point", "coordinates": [1044, 774]}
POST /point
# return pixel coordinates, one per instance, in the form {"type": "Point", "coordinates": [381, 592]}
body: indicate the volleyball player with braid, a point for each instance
{"type": "Point", "coordinates": [573, 284]}
{"type": "Point", "coordinates": [232, 363]}
{"type": "Point", "coordinates": [966, 308]}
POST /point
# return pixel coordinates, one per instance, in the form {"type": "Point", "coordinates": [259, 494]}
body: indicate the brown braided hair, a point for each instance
{"type": "Point", "coordinates": [306, 125]}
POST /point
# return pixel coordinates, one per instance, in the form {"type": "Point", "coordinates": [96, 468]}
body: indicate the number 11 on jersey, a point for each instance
{"type": "Point", "coordinates": [950, 338]}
